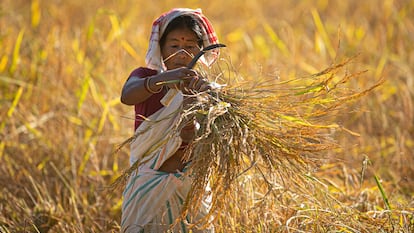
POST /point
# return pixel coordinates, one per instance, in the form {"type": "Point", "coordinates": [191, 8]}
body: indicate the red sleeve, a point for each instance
{"type": "Point", "coordinates": [152, 104]}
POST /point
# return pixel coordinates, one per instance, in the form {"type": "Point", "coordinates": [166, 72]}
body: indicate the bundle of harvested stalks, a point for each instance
{"type": "Point", "coordinates": [267, 128]}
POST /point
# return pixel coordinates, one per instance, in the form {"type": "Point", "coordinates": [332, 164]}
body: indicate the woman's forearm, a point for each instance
{"type": "Point", "coordinates": [137, 90]}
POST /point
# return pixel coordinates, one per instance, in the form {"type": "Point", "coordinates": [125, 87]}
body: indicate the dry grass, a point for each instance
{"type": "Point", "coordinates": [62, 67]}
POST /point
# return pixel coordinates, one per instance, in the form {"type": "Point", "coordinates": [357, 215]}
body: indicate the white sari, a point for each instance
{"type": "Point", "coordinates": [153, 199]}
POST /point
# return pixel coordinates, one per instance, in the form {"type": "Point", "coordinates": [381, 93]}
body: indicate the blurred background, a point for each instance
{"type": "Point", "coordinates": [63, 64]}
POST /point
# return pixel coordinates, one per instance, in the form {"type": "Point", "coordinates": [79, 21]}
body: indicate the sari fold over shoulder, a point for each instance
{"type": "Point", "coordinates": [156, 133]}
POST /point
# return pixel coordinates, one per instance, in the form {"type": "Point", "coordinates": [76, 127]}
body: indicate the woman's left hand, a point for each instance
{"type": "Point", "coordinates": [195, 84]}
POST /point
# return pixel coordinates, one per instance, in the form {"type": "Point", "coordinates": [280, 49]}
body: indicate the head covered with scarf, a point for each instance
{"type": "Point", "coordinates": [154, 58]}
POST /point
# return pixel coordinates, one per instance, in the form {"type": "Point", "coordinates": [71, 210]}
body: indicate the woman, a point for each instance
{"type": "Point", "coordinates": [156, 191]}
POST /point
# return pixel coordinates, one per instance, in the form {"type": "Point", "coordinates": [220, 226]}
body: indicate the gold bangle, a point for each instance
{"type": "Point", "coordinates": [147, 87]}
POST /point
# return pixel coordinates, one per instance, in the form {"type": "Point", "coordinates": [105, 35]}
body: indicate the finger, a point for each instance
{"type": "Point", "coordinates": [187, 73]}
{"type": "Point", "coordinates": [185, 88]}
{"type": "Point", "coordinates": [205, 86]}
{"type": "Point", "coordinates": [181, 86]}
{"type": "Point", "coordinates": [199, 84]}
{"type": "Point", "coordinates": [193, 82]}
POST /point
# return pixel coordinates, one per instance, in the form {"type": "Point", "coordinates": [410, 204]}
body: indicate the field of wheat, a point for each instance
{"type": "Point", "coordinates": [63, 64]}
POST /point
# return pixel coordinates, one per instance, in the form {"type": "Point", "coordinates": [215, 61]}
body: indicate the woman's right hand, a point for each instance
{"type": "Point", "coordinates": [176, 77]}
{"type": "Point", "coordinates": [187, 80]}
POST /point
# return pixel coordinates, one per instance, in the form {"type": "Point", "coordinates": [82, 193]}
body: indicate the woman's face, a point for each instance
{"type": "Point", "coordinates": [176, 42]}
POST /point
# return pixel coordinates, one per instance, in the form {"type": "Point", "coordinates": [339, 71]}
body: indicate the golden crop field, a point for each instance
{"type": "Point", "coordinates": [63, 64]}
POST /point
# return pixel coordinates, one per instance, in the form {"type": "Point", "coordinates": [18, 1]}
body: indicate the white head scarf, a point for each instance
{"type": "Point", "coordinates": [153, 58]}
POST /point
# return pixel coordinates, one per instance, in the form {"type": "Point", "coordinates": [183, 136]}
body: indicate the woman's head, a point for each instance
{"type": "Point", "coordinates": [183, 22]}
{"type": "Point", "coordinates": [181, 40]}
{"type": "Point", "coordinates": [191, 23]}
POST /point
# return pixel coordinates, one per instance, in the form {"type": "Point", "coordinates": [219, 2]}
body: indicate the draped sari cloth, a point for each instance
{"type": "Point", "coordinates": [153, 199]}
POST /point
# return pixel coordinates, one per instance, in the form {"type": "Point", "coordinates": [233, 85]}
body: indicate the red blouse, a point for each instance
{"type": "Point", "coordinates": [150, 105]}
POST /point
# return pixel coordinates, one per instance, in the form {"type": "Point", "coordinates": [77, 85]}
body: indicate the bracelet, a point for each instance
{"type": "Point", "coordinates": [147, 87]}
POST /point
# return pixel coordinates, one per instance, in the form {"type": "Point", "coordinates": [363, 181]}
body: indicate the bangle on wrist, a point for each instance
{"type": "Point", "coordinates": [148, 88]}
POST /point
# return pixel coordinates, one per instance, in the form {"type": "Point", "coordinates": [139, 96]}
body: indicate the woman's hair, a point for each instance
{"type": "Point", "coordinates": [182, 22]}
